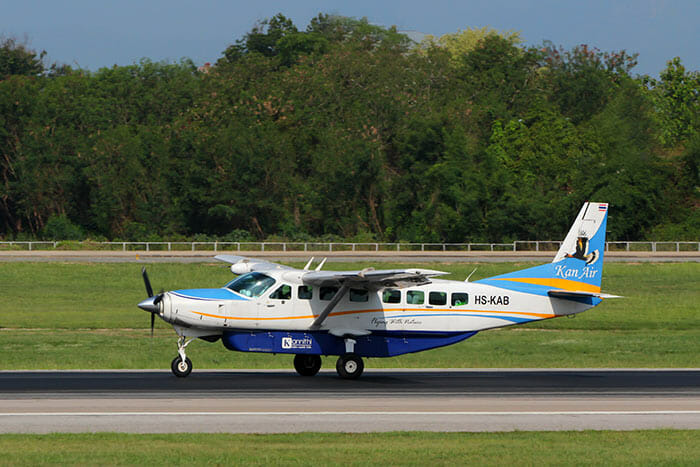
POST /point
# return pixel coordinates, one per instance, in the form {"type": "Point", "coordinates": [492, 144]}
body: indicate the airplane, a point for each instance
{"type": "Point", "coordinates": [273, 308]}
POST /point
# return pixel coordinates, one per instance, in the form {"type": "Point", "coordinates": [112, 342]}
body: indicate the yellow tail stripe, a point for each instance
{"type": "Point", "coordinates": [565, 284]}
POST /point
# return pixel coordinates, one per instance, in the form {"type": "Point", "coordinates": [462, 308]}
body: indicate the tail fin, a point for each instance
{"type": "Point", "coordinates": [577, 266]}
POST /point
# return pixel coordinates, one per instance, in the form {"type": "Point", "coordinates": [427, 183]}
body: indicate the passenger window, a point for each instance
{"type": "Point", "coordinates": [327, 293]}
{"type": "Point", "coordinates": [283, 292]}
{"type": "Point", "coordinates": [460, 298]}
{"type": "Point", "coordinates": [437, 298]}
{"type": "Point", "coordinates": [415, 297]}
{"type": "Point", "coordinates": [391, 296]}
{"type": "Point", "coordinates": [359, 295]}
{"type": "Point", "coordinates": [305, 292]}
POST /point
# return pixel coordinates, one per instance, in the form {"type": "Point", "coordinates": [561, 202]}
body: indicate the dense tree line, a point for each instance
{"type": "Point", "coordinates": [346, 129]}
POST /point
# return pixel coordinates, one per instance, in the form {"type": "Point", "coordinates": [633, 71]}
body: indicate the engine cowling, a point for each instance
{"type": "Point", "coordinates": [242, 267]}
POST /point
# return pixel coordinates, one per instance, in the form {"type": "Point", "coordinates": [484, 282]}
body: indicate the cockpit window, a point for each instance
{"type": "Point", "coordinates": [252, 284]}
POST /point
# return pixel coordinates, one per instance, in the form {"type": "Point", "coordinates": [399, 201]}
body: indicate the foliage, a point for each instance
{"type": "Point", "coordinates": [464, 42]}
{"type": "Point", "coordinates": [17, 59]}
{"type": "Point", "coordinates": [61, 228]}
{"type": "Point", "coordinates": [344, 130]}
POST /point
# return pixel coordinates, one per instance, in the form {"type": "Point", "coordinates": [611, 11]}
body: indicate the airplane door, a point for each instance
{"type": "Point", "coordinates": [278, 304]}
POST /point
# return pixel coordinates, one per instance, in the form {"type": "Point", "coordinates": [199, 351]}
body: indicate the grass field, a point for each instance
{"type": "Point", "coordinates": [84, 315]}
{"type": "Point", "coordinates": [657, 447]}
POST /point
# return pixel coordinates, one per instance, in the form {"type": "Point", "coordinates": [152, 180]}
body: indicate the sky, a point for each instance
{"type": "Point", "coordinates": [93, 34]}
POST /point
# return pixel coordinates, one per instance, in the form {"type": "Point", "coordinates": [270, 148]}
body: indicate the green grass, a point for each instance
{"type": "Point", "coordinates": [650, 447]}
{"type": "Point", "coordinates": [66, 315]}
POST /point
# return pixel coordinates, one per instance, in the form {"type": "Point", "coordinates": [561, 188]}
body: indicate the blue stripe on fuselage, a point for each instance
{"type": "Point", "coordinates": [209, 294]}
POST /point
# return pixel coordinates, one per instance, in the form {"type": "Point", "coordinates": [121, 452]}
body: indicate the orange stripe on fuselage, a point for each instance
{"type": "Point", "coordinates": [564, 284]}
{"type": "Point", "coordinates": [350, 312]}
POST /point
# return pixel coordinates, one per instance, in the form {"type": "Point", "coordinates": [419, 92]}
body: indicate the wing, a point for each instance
{"type": "Point", "coordinates": [242, 265]}
{"type": "Point", "coordinates": [370, 278]}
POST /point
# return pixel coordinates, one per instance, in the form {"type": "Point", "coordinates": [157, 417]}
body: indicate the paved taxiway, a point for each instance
{"type": "Point", "coordinates": [382, 400]}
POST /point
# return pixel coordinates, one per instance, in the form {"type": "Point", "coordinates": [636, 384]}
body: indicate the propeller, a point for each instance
{"type": "Point", "coordinates": [151, 304]}
{"type": "Point", "coordinates": [149, 289]}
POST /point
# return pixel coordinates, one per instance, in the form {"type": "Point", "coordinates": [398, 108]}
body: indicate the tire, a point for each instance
{"type": "Point", "coordinates": [307, 365]}
{"type": "Point", "coordinates": [350, 366]}
{"type": "Point", "coordinates": [180, 368]}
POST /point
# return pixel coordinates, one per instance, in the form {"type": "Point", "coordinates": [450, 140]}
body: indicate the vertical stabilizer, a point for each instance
{"type": "Point", "coordinates": [583, 241]}
{"type": "Point", "coordinates": [577, 266]}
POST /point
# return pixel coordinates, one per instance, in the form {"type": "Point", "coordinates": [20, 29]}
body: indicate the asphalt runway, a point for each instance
{"type": "Point", "coordinates": [382, 400]}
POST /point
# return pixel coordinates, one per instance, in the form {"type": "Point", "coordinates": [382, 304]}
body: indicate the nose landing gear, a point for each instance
{"type": "Point", "coordinates": [181, 365]}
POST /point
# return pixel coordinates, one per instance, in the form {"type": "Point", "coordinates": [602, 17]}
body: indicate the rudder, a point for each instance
{"type": "Point", "coordinates": [577, 266]}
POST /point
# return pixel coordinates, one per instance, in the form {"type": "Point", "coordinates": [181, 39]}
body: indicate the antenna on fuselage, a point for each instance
{"type": "Point", "coordinates": [471, 274]}
{"type": "Point", "coordinates": [320, 265]}
{"type": "Point", "coordinates": [308, 265]}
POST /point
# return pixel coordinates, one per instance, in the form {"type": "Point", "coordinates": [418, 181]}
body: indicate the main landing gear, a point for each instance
{"type": "Point", "coordinates": [307, 365]}
{"type": "Point", "coordinates": [349, 365]}
{"type": "Point", "coordinates": [181, 365]}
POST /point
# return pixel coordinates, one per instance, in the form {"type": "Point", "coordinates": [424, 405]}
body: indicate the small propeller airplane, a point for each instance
{"type": "Point", "coordinates": [274, 308]}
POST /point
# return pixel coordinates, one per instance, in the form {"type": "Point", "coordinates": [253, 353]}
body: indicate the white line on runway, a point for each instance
{"type": "Point", "coordinates": [102, 414]}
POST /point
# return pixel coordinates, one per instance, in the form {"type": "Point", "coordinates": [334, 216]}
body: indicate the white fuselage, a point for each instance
{"type": "Point", "coordinates": [440, 306]}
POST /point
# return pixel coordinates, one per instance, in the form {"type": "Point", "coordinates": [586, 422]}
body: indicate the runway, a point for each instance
{"type": "Point", "coordinates": [382, 400]}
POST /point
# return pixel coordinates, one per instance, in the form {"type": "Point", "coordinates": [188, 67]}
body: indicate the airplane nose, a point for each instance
{"type": "Point", "coordinates": [151, 304]}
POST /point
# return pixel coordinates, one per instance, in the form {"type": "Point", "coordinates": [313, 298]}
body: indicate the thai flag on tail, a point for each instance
{"type": "Point", "coordinates": [602, 207]}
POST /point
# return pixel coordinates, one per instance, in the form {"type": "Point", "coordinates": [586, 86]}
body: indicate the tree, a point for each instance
{"type": "Point", "coordinates": [18, 59]}
{"type": "Point", "coordinates": [463, 42]}
{"type": "Point", "coordinates": [676, 95]}
{"type": "Point", "coordinates": [262, 39]}
{"type": "Point", "coordinates": [583, 80]}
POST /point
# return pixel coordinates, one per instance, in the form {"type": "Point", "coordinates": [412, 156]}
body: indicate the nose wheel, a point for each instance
{"type": "Point", "coordinates": [181, 365]}
{"type": "Point", "coordinates": [349, 366]}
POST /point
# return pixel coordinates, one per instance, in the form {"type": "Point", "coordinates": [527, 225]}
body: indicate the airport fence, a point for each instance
{"type": "Point", "coordinates": [518, 245]}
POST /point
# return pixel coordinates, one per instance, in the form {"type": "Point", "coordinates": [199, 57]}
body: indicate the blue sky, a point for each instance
{"type": "Point", "coordinates": [94, 34]}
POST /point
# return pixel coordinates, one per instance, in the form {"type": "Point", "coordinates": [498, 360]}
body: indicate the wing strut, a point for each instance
{"type": "Point", "coordinates": [326, 311]}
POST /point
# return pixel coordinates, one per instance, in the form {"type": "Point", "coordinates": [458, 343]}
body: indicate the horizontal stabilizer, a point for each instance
{"type": "Point", "coordinates": [574, 294]}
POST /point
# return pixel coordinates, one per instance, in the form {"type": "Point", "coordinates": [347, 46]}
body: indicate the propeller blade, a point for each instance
{"type": "Point", "coordinates": [153, 319]}
{"type": "Point", "coordinates": [149, 289]}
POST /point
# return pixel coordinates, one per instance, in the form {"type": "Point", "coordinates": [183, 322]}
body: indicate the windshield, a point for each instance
{"type": "Point", "coordinates": [252, 284]}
